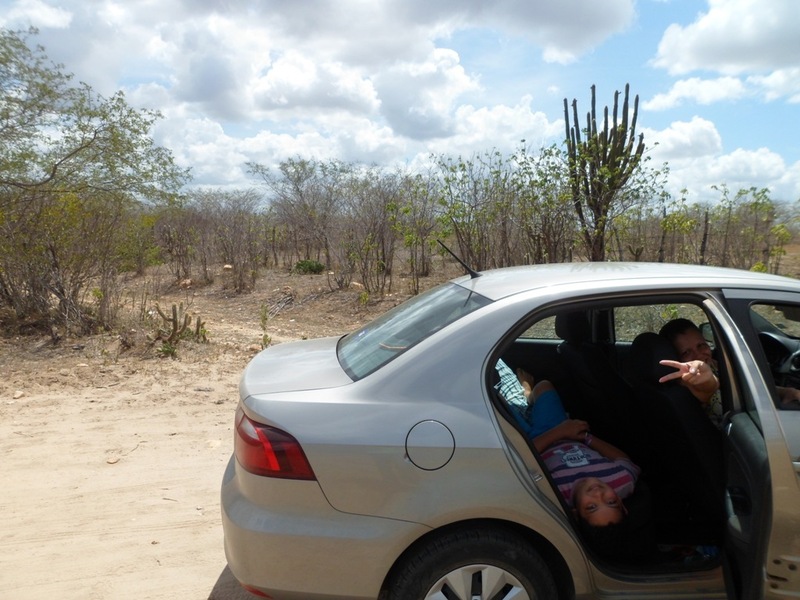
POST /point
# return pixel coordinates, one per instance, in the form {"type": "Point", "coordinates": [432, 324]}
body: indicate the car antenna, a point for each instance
{"type": "Point", "coordinates": [472, 272]}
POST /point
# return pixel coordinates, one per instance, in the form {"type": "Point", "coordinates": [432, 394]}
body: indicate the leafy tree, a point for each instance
{"type": "Point", "coordinates": [781, 234]}
{"type": "Point", "coordinates": [544, 210]}
{"type": "Point", "coordinates": [416, 224]}
{"type": "Point", "coordinates": [73, 167]}
{"type": "Point", "coordinates": [748, 220]}
{"type": "Point", "coordinates": [61, 137]}
{"type": "Point", "coordinates": [758, 217]}
{"type": "Point", "coordinates": [138, 249]}
{"type": "Point", "coordinates": [476, 207]}
{"type": "Point", "coordinates": [600, 166]}
{"type": "Point", "coordinates": [680, 226]}
{"type": "Point", "coordinates": [55, 252]}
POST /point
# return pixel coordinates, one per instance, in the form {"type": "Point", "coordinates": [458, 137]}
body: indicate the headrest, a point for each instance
{"type": "Point", "coordinates": [573, 327]}
{"type": "Point", "coordinates": [646, 351]}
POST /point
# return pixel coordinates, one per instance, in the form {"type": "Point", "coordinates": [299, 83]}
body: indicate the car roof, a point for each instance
{"type": "Point", "coordinates": [500, 283]}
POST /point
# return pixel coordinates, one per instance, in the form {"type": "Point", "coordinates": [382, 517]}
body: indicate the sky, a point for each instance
{"type": "Point", "coordinates": [393, 82]}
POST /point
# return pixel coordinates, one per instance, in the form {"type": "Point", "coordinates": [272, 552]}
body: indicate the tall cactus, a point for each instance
{"type": "Point", "coordinates": [600, 166]}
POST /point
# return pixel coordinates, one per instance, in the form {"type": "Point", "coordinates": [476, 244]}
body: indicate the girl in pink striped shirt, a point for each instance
{"type": "Point", "coordinates": [593, 476]}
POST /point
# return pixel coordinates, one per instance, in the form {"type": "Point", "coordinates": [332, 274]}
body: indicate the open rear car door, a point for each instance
{"type": "Point", "coordinates": [762, 493]}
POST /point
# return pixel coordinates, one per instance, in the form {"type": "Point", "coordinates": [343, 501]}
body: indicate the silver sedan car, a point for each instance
{"type": "Point", "coordinates": [388, 464]}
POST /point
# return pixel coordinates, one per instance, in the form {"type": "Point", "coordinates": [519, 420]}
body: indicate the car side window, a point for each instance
{"type": "Point", "coordinates": [630, 321]}
{"type": "Point", "coordinates": [544, 329]}
{"type": "Point", "coordinates": [778, 330]}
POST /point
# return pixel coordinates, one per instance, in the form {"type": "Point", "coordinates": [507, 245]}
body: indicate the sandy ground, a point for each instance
{"type": "Point", "coordinates": [110, 480]}
{"type": "Point", "coordinates": [111, 461]}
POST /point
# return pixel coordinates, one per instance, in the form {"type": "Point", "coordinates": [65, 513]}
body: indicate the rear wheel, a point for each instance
{"type": "Point", "coordinates": [474, 564]}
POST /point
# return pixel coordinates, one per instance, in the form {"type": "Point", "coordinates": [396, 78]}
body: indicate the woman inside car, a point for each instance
{"type": "Point", "coordinates": [698, 371]}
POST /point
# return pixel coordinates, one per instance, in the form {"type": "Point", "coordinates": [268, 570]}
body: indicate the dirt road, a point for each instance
{"type": "Point", "coordinates": [111, 475]}
{"type": "Point", "coordinates": [111, 461]}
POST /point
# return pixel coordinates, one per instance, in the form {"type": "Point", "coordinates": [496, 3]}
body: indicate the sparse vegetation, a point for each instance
{"type": "Point", "coordinates": [176, 326]}
{"type": "Point", "coordinates": [264, 315]}
{"type": "Point", "coordinates": [308, 266]}
{"type": "Point", "coordinates": [87, 201]}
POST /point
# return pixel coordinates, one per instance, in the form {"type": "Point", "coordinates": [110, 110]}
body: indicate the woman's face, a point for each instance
{"type": "Point", "coordinates": [691, 345]}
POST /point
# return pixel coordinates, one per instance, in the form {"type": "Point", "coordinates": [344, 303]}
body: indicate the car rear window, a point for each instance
{"type": "Point", "coordinates": [387, 337]}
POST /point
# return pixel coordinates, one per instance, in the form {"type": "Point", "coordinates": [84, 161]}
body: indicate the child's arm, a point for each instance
{"type": "Point", "coordinates": [571, 429]}
{"type": "Point", "coordinates": [575, 429]}
{"type": "Point", "coordinates": [607, 450]}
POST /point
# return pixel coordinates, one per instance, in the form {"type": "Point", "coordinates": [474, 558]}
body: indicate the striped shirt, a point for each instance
{"type": "Point", "coordinates": [569, 462]}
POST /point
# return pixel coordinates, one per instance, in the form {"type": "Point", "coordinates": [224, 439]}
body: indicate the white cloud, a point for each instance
{"type": "Point", "coordinates": [750, 165]}
{"type": "Point", "coordinates": [684, 140]}
{"type": "Point", "coordinates": [417, 98]}
{"type": "Point", "coordinates": [741, 169]}
{"type": "Point", "coordinates": [499, 128]}
{"type": "Point", "coordinates": [37, 13]}
{"type": "Point", "coordinates": [783, 83]}
{"type": "Point", "coordinates": [229, 59]}
{"type": "Point", "coordinates": [788, 186]}
{"type": "Point", "coordinates": [295, 81]}
{"type": "Point", "coordinates": [734, 37]}
{"type": "Point", "coordinates": [694, 152]}
{"type": "Point", "coordinates": [699, 91]}
{"type": "Point", "coordinates": [391, 82]}
{"type": "Point", "coordinates": [565, 29]}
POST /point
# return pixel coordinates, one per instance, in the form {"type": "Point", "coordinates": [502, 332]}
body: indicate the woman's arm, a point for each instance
{"type": "Point", "coordinates": [695, 375]}
{"type": "Point", "coordinates": [788, 395]}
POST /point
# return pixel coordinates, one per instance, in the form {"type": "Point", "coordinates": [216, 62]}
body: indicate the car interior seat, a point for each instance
{"type": "Point", "coordinates": [605, 399]}
{"type": "Point", "coordinates": [686, 474]}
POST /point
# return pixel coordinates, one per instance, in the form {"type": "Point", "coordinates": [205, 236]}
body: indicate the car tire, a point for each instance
{"type": "Point", "coordinates": [474, 564]}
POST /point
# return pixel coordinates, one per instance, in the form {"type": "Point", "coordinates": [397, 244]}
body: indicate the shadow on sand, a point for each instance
{"type": "Point", "coordinates": [227, 588]}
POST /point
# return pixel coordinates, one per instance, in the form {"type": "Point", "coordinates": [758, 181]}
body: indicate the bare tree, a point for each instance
{"type": "Point", "coordinates": [372, 201]}
{"type": "Point", "coordinates": [176, 234]}
{"type": "Point", "coordinates": [476, 197]}
{"type": "Point", "coordinates": [237, 230]}
{"type": "Point", "coordinates": [305, 198]}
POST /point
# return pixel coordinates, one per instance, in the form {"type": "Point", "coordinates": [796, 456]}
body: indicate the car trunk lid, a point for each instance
{"type": "Point", "coordinates": [294, 366]}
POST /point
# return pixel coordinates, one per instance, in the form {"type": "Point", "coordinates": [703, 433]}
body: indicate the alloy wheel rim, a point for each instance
{"type": "Point", "coordinates": [478, 582]}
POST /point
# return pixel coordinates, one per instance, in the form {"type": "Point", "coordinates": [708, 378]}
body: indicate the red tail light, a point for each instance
{"type": "Point", "coordinates": [268, 451]}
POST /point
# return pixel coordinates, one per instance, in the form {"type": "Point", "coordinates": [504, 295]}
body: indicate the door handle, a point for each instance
{"type": "Point", "coordinates": [737, 509]}
{"type": "Point", "coordinates": [739, 501]}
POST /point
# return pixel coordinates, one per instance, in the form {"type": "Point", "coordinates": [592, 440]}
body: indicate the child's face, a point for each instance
{"type": "Point", "coordinates": [597, 503]}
